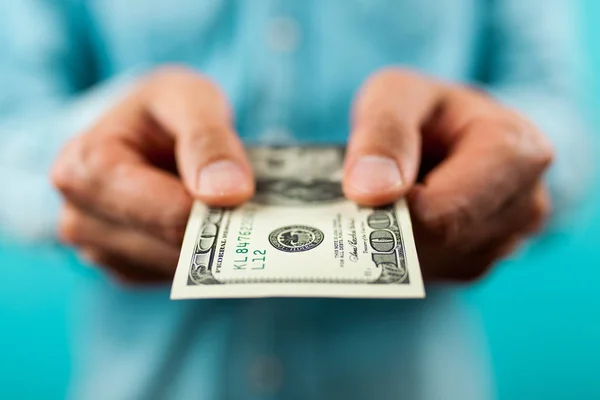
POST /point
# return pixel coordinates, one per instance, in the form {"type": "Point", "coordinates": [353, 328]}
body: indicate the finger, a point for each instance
{"type": "Point", "coordinates": [540, 215]}
{"type": "Point", "coordinates": [521, 216]}
{"type": "Point", "coordinates": [490, 162]}
{"type": "Point", "coordinates": [452, 264]}
{"type": "Point", "coordinates": [123, 271]}
{"type": "Point", "coordinates": [476, 265]}
{"type": "Point", "coordinates": [383, 155]}
{"type": "Point", "coordinates": [109, 179]}
{"type": "Point", "coordinates": [516, 222]}
{"type": "Point", "coordinates": [109, 170]}
{"type": "Point", "coordinates": [210, 156]}
{"type": "Point", "coordinates": [509, 247]}
{"type": "Point", "coordinates": [83, 230]}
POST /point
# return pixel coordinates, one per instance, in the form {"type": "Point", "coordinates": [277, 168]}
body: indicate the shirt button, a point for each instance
{"type": "Point", "coordinates": [283, 34]}
{"type": "Point", "coordinates": [266, 374]}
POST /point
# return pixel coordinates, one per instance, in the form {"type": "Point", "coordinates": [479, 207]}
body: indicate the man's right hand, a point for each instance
{"type": "Point", "coordinates": [129, 182]}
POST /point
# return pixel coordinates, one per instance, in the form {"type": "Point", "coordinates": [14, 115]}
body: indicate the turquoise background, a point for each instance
{"type": "Point", "coordinates": [540, 310]}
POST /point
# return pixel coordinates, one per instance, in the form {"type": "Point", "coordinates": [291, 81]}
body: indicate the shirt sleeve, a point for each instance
{"type": "Point", "coordinates": [535, 66]}
{"type": "Point", "coordinates": [48, 92]}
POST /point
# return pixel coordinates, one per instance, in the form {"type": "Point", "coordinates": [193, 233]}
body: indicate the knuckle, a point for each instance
{"type": "Point", "coordinates": [93, 257]}
{"type": "Point", "coordinates": [526, 144]}
{"type": "Point", "coordinates": [60, 176]}
{"type": "Point", "coordinates": [540, 213]}
{"type": "Point", "coordinates": [537, 149]}
{"type": "Point", "coordinates": [97, 159]}
{"type": "Point", "coordinates": [511, 137]}
{"type": "Point", "coordinates": [62, 172]}
{"type": "Point", "coordinates": [70, 227]}
{"type": "Point", "coordinates": [81, 163]}
{"type": "Point", "coordinates": [536, 218]}
{"type": "Point", "coordinates": [546, 209]}
{"type": "Point", "coordinates": [546, 155]}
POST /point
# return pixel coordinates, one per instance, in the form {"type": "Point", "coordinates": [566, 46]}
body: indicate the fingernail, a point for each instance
{"type": "Point", "coordinates": [375, 174]}
{"type": "Point", "coordinates": [222, 178]}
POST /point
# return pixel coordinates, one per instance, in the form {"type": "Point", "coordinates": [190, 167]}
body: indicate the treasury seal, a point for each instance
{"type": "Point", "coordinates": [296, 238]}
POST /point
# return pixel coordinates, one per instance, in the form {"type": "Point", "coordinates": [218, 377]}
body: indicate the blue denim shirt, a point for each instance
{"type": "Point", "coordinates": [290, 69]}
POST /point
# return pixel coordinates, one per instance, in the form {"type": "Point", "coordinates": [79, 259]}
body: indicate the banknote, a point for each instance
{"type": "Point", "coordinates": [298, 237]}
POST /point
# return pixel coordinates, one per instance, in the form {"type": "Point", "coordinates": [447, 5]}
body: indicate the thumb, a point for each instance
{"type": "Point", "coordinates": [210, 156]}
{"type": "Point", "coordinates": [383, 157]}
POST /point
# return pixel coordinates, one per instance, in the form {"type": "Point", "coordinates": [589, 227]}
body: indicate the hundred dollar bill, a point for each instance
{"type": "Point", "coordinates": [298, 237]}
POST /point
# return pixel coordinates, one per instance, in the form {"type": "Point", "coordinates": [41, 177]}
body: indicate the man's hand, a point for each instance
{"type": "Point", "coordinates": [129, 181]}
{"type": "Point", "coordinates": [481, 165]}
